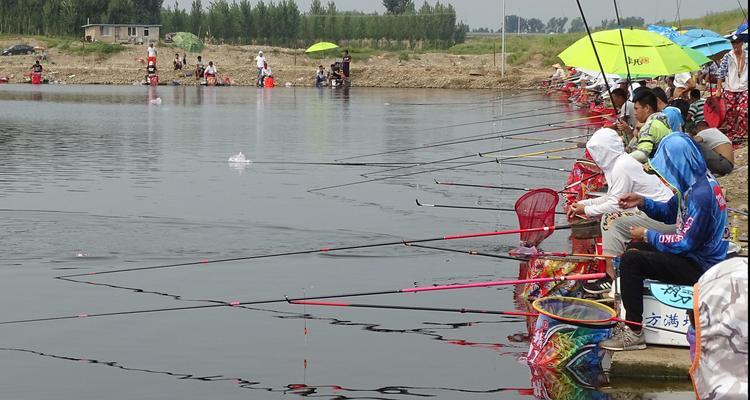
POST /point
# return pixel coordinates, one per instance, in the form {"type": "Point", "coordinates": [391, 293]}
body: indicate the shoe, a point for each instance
{"type": "Point", "coordinates": [598, 286]}
{"type": "Point", "coordinates": [623, 338]}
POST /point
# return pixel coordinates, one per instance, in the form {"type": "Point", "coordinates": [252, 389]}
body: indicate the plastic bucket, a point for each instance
{"type": "Point", "coordinates": [269, 82]}
{"type": "Point", "coordinates": [568, 331]}
{"type": "Point", "coordinates": [36, 78]}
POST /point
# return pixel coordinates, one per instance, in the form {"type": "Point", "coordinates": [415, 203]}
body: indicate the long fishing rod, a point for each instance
{"type": "Point", "coordinates": [382, 178]}
{"type": "Point", "coordinates": [520, 189]}
{"type": "Point", "coordinates": [334, 296]}
{"type": "Point", "coordinates": [413, 308]}
{"type": "Point", "coordinates": [594, 323]}
{"type": "Point", "coordinates": [468, 139]}
{"type": "Point", "coordinates": [500, 159]}
{"type": "Point", "coordinates": [420, 204]}
{"type": "Point", "coordinates": [492, 99]}
{"type": "Point", "coordinates": [536, 167]}
{"type": "Point", "coordinates": [519, 257]}
{"type": "Point", "coordinates": [523, 146]}
{"type": "Point", "coordinates": [494, 120]}
{"type": "Point", "coordinates": [551, 125]}
{"type": "Point", "coordinates": [327, 250]}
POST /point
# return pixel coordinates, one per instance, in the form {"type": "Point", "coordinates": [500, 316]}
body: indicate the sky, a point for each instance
{"type": "Point", "coordinates": [488, 13]}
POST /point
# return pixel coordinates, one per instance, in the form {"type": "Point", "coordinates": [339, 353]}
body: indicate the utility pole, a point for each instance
{"type": "Point", "coordinates": [518, 33]}
{"type": "Point", "coordinates": [502, 58]}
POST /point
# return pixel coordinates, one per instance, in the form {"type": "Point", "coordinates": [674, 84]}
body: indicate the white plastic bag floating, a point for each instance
{"type": "Point", "coordinates": [155, 102]}
{"type": "Point", "coordinates": [239, 158]}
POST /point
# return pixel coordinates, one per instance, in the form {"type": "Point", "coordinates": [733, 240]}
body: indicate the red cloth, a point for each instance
{"type": "Point", "coordinates": [581, 171]}
{"type": "Point", "coordinates": [735, 120]}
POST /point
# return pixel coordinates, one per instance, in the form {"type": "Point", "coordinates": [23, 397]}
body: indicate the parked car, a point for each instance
{"type": "Point", "coordinates": [18, 49]}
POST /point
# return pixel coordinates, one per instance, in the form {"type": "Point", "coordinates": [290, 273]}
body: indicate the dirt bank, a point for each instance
{"type": "Point", "coordinates": [430, 70]}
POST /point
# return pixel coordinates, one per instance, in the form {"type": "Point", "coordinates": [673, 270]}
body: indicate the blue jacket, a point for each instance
{"type": "Point", "coordinates": [698, 208]}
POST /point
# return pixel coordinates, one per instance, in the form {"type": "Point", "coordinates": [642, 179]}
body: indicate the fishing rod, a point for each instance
{"type": "Point", "coordinates": [468, 164]}
{"type": "Point", "coordinates": [519, 257]}
{"type": "Point", "coordinates": [326, 250]}
{"type": "Point", "coordinates": [494, 120]}
{"type": "Point", "coordinates": [382, 178]}
{"type": "Point", "coordinates": [286, 299]}
{"type": "Point", "coordinates": [523, 146]}
{"type": "Point", "coordinates": [593, 323]}
{"type": "Point", "coordinates": [520, 189]}
{"type": "Point", "coordinates": [413, 308]}
{"type": "Point", "coordinates": [419, 204]}
{"type": "Point", "coordinates": [488, 100]}
{"type": "Point", "coordinates": [624, 52]}
{"type": "Point", "coordinates": [500, 159]}
{"type": "Point", "coordinates": [551, 125]}
{"type": "Point", "coordinates": [468, 139]}
{"type": "Point", "coordinates": [536, 167]}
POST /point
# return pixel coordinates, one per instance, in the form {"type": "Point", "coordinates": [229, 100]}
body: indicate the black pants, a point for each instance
{"type": "Point", "coordinates": [641, 261]}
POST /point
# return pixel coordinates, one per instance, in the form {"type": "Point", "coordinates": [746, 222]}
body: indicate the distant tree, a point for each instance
{"type": "Point", "coordinates": [535, 25]}
{"type": "Point", "coordinates": [196, 17]}
{"type": "Point", "coordinates": [556, 25]}
{"type": "Point", "coordinates": [576, 25]}
{"type": "Point", "coordinates": [398, 6]}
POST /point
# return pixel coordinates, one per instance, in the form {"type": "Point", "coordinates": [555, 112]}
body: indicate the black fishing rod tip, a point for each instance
{"type": "Point", "coordinates": [418, 203]}
{"type": "Point", "coordinates": [436, 181]}
{"type": "Point", "coordinates": [287, 299]}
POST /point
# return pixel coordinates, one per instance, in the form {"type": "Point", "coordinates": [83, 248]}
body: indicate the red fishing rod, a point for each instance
{"type": "Point", "coordinates": [289, 300]}
{"type": "Point", "coordinates": [326, 250]}
{"type": "Point", "coordinates": [490, 186]}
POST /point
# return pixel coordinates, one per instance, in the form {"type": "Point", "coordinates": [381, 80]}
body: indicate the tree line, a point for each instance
{"type": "Point", "coordinates": [280, 22]}
{"type": "Point", "coordinates": [65, 17]}
{"type": "Point", "coordinates": [516, 23]}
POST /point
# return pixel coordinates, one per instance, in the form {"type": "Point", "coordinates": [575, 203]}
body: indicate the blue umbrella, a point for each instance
{"type": "Point", "coordinates": [667, 32]}
{"type": "Point", "coordinates": [701, 33]}
{"type": "Point", "coordinates": [709, 46]}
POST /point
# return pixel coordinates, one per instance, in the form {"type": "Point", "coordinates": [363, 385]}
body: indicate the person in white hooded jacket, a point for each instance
{"type": "Point", "coordinates": [624, 175]}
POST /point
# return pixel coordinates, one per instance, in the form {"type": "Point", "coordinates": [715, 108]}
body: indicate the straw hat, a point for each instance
{"type": "Point", "coordinates": [556, 65]}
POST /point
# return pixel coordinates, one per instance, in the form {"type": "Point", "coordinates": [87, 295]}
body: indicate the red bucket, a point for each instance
{"type": "Point", "coordinates": [153, 80]}
{"type": "Point", "coordinates": [36, 78]}
{"type": "Point", "coordinates": [269, 82]}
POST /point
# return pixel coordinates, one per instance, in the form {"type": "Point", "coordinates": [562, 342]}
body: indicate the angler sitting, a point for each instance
{"type": "Point", "coordinates": [199, 68]}
{"type": "Point", "coordinates": [654, 125]}
{"type": "Point", "coordinates": [624, 175]}
{"type": "Point", "coordinates": [177, 62]}
{"type": "Point", "coordinates": [699, 210]}
{"type": "Point", "coordinates": [335, 76]}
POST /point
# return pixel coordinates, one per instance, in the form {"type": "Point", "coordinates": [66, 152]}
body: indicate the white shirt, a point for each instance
{"type": "Point", "coordinates": [713, 137]}
{"type": "Point", "coordinates": [260, 61]}
{"type": "Point", "coordinates": [681, 80]}
{"type": "Point", "coordinates": [734, 81]}
{"type": "Point", "coordinates": [151, 51]}
{"type": "Point", "coordinates": [559, 74]}
{"type": "Point", "coordinates": [211, 70]}
{"type": "Point", "coordinates": [623, 173]}
{"type": "Point", "coordinates": [266, 71]}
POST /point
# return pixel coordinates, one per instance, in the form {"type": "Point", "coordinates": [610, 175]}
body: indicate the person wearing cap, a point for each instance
{"type": "Point", "coordinates": [260, 62]}
{"type": "Point", "coordinates": [558, 74]}
{"type": "Point", "coordinates": [655, 125]}
{"type": "Point", "coordinates": [732, 87]}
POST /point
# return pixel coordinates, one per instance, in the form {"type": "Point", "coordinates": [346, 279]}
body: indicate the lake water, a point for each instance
{"type": "Point", "coordinates": [101, 178]}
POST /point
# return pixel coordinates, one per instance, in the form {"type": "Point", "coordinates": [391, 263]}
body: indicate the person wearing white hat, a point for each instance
{"type": "Point", "coordinates": [732, 88]}
{"type": "Point", "coordinates": [559, 72]}
{"type": "Point", "coordinates": [260, 62]}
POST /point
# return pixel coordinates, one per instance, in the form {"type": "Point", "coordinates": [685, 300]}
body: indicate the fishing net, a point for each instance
{"type": "Point", "coordinates": [568, 331]}
{"type": "Point", "coordinates": [536, 209]}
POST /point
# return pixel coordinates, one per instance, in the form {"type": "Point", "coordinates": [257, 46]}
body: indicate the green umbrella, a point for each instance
{"type": "Point", "coordinates": [321, 46]}
{"type": "Point", "coordinates": [187, 41]}
{"type": "Point", "coordinates": [649, 54]}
